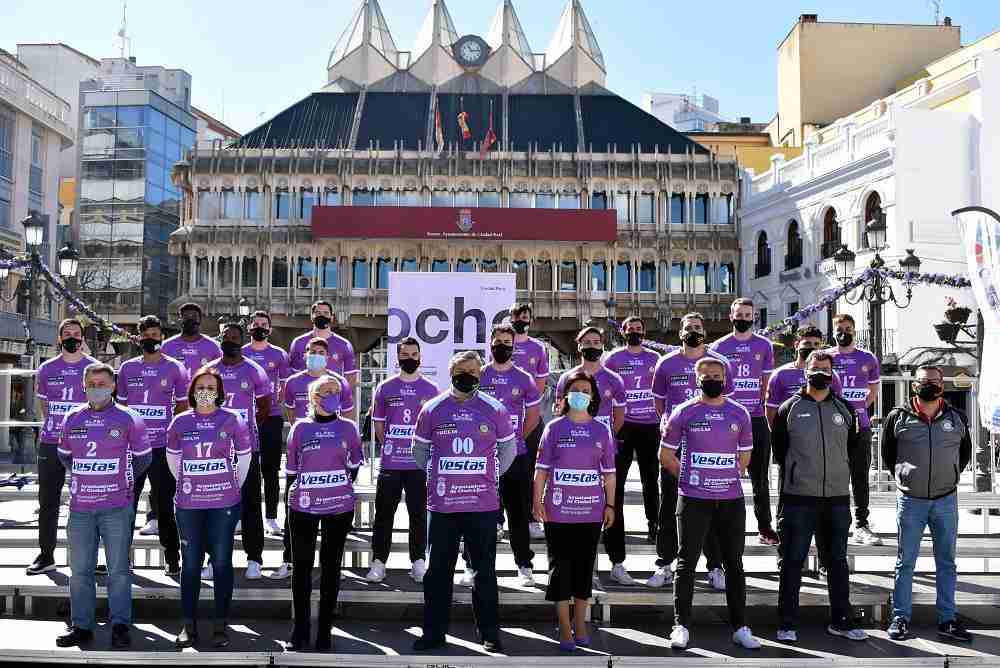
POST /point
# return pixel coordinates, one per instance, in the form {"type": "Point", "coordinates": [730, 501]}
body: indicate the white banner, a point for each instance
{"type": "Point", "coordinates": [447, 313]}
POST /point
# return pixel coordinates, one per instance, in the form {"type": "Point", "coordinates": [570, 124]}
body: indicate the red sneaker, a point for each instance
{"type": "Point", "coordinates": [768, 537]}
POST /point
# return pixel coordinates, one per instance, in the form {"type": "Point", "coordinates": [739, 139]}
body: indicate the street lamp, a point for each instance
{"type": "Point", "coordinates": [34, 231]}
{"type": "Point", "coordinates": [244, 308]}
{"type": "Point", "coordinates": [875, 232]}
{"type": "Point", "coordinates": [69, 261]}
{"type": "Point", "coordinates": [5, 256]}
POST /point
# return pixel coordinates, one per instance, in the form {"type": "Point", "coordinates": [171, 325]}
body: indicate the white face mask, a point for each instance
{"type": "Point", "coordinates": [315, 362]}
{"type": "Point", "coordinates": [205, 398]}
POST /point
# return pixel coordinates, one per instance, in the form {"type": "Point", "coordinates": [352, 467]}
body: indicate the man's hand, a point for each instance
{"type": "Point", "coordinates": [609, 516]}
{"type": "Point", "coordinates": [539, 511]}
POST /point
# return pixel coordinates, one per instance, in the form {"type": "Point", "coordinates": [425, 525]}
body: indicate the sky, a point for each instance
{"type": "Point", "coordinates": [250, 59]}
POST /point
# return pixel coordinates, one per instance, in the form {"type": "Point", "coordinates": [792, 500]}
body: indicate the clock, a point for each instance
{"type": "Point", "coordinates": [470, 51]}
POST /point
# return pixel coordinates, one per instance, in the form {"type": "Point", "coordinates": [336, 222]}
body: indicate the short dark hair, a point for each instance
{"type": "Point", "coordinates": [930, 367]}
{"type": "Point", "coordinates": [408, 341]}
{"type": "Point", "coordinates": [844, 317]}
{"type": "Point", "coordinates": [694, 315]}
{"type": "Point", "coordinates": [317, 341]}
{"type": "Point", "coordinates": [502, 328]}
{"type": "Point", "coordinates": [207, 371]}
{"type": "Point", "coordinates": [633, 318]}
{"type": "Point", "coordinates": [99, 367]}
{"type": "Point", "coordinates": [518, 309]}
{"type": "Point", "coordinates": [595, 393]}
{"type": "Point", "coordinates": [809, 332]}
{"type": "Point", "coordinates": [741, 301]}
{"type": "Point", "coordinates": [261, 314]}
{"type": "Point", "coordinates": [189, 306]}
{"type": "Point", "coordinates": [589, 329]}
{"type": "Point", "coordinates": [232, 325]}
{"type": "Point", "coordinates": [320, 302]}
{"type": "Point", "coordinates": [70, 321]}
{"type": "Point", "coordinates": [819, 356]}
{"type": "Point", "coordinates": [149, 322]}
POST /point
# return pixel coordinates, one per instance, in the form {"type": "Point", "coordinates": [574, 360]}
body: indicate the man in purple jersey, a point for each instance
{"type": "Point", "coordinates": [674, 382]}
{"type": "Point", "coordinates": [860, 374]}
{"type": "Point", "coordinates": [248, 393]}
{"type": "Point", "coordinates": [191, 348]}
{"type": "Point", "coordinates": [788, 379]}
{"type": "Point", "coordinates": [59, 390]}
{"type": "Point", "coordinates": [155, 386]}
{"type": "Point", "coordinates": [274, 361]}
{"type": "Point", "coordinates": [395, 407]}
{"type": "Point", "coordinates": [104, 446]}
{"type": "Point", "coordinates": [717, 439]}
{"type": "Point", "coordinates": [342, 358]}
{"type": "Point", "coordinates": [751, 358]}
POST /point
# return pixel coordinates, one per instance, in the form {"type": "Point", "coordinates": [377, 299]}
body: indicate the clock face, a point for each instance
{"type": "Point", "coordinates": [471, 51]}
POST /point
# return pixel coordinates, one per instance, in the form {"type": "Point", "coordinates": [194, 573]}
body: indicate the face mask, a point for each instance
{"type": "Point", "coordinates": [409, 366]}
{"type": "Point", "coordinates": [190, 327]}
{"type": "Point", "coordinates": [230, 348]}
{"type": "Point", "coordinates": [742, 325]}
{"type": "Point", "coordinates": [315, 362]}
{"type": "Point", "coordinates": [259, 333]}
{"type": "Point", "coordinates": [502, 353]}
{"type": "Point", "coordinates": [520, 326]}
{"type": "Point", "coordinates": [205, 398]}
{"type": "Point", "coordinates": [465, 383]}
{"type": "Point", "coordinates": [591, 354]}
{"type": "Point", "coordinates": [71, 345]}
{"type": "Point", "coordinates": [330, 404]}
{"type": "Point", "coordinates": [578, 401]}
{"type": "Point", "coordinates": [693, 339]}
{"type": "Point", "coordinates": [634, 338]}
{"type": "Point", "coordinates": [804, 353]}
{"type": "Point", "coordinates": [98, 396]}
{"type": "Point", "coordinates": [711, 388]}
{"type": "Point", "coordinates": [819, 380]}
{"type": "Point", "coordinates": [928, 392]}
{"type": "Point", "coordinates": [149, 346]}
{"type": "Point", "coordinates": [844, 339]}
{"type": "Point", "coordinates": [321, 322]}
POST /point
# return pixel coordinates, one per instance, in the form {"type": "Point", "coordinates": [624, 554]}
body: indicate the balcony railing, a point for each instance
{"type": "Point", "coordinates": [864, 340]}
{"type": "Point", "coordinates": [24, 93]}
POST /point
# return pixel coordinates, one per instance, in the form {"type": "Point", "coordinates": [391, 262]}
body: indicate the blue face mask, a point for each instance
{"type": "Point", "coordinates": [315, 362]}
{"type": "Point", "coordinates": [330, 404]}
{"type": "Point", "coordinates": [578, 401]}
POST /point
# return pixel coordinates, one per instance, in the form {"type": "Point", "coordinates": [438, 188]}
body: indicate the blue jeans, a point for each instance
{"type": "Point", "coordinates": [207, 530]}
{"type": "Point", "coordinates": [912, 515]}
{"type": "Point", "coordinates": [113, 527]}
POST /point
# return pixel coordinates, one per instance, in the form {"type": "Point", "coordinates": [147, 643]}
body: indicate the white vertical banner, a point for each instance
{"type": "Point", "coordinates": [447, 313]}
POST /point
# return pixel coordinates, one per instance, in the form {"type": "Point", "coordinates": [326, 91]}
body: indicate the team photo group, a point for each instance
{"type": "Point", "coordinates": [213, 423]}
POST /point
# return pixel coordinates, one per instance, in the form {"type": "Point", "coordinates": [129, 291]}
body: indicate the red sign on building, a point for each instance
{"type": "Point", "coordinates": [456, 223]}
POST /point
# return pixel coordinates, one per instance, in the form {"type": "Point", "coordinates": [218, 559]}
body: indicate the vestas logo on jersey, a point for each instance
{"type": "Point", "coordinates": [576, 477]}
{"type": "Point", "coordinates": [712, 460]}
{"type": "Point", "coordinates": [323, 479]}
{"type": "Point", "coordinates": [151, 412]}
{"type": "Point", "coordinates": [746, 384]}
{"type": "Point", "coordinates": [632, 396]}
{"type": "Point", "coordinates": [400, 431]}
{"type": "Point", "coordinates": [95, 466]}
{"type": "Point", "coordinates": [462, 465]}
{"type": "Point", "coordinates": [204, 466]}
{"type": "Point", "coordinates": [855, 394]}
{"type": "Point", "coordinates": [61, 407]}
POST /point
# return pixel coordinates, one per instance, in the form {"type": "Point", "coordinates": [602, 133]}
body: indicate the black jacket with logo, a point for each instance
{"type": "Point", "coordinates": [927, 457]}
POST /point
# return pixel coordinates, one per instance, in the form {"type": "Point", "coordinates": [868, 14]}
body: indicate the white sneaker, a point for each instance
{"type": "Point", "coordinates": [679, 638]}
{"type": "Point", "coordinates": [206, 572]}
{"type": "Point", "coordinates": [745, 639]}
{"type": "Point", "coordinates": [282, 572]}
{"type": "Point", "coordinates": [663, 576]}
{"type": "Point", "coordinates": [239, 526]}
{"type": "Point", "coordinates": [864, 536]}
{"type": "Point", "coordinates": [377, 572]}
{"type": "Point", "coordinates": [418, 570]}
{"type": "Point", "coordinates": [621, 576]}
{"type": "Point", "coordinates": [788, 635]}
{"type": "Point", "coordinates": [272, 527]}
{"type": "Point", "coordinates": [525, 577]}
{"type": "Point", "coordinates": [150, 528]}
{"type": "Point", "coordinates": [499, 532]}
{"type": "Point", "coordinates": [717, 579]}
{"type": "Point", "coordinates": [253, 570]}
{"type": "Point", "coordinates": [468, 578]}
{"type": "Point", "coordinates": [536, 530]}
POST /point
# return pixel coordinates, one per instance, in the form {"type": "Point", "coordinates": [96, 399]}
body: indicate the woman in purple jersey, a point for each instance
{"type": "Point", "coordinates": [575, 497]}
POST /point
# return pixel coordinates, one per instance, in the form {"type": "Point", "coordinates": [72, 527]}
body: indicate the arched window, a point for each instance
{"type": "Point", "coordinates": [359, 270]}
{"type": "Point", "coordinates": [249, 274]}
{"type": "Point", "coordinates": [543, 275]}
{"type": "Point", "coordinates": [567, 276]}
{"type": "Point", "coordinates": [831, 233]}
{"type": "Point", "coordinates": [647, 276]}
{"type": "Point", "coordinates": [465, 265]}
{"type": "Point", "coordinates": [793, 259]}
{"type": "Point", "coordinates": [623, 276]}
{"type": "Point", "coordinates": [763, 267]}
{"type": "Point", "coordinates": [383, 266]}
{"type": "Point", "coordinates": [598, 276]}
{"type": "Point", "coordinates": [873, 210]}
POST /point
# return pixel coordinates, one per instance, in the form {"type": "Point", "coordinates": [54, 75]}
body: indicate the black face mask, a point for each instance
{"type": "Point", "coordinates": [190, 327]}
{"type": "Point", "coordinates": [465, 383]}
{"type": "Point", "coordinates": [742, 325]}
{"type": "Point", "coordinates": [71, 345]}
{"type": "Point", "coordinates": [230, 348]}
{"type": "Point", "coordinates": [844, 339]}
{"type": "Point", "coordinates": [502, 353]}
{"type": "Point", "coordinates": [634, 338]}
{"type": "Point", "coordinates": [804, 353]}
{"type": "Point", "coordinates": [591, 354]}
{"type": "Point", "coordinates": [520, 326]}
{"type": "Point", "coordinates": [693, 339]}
{"type": "Point", "coordinates": [929, 392]}
{"type": "Point", "coordinates": [149, 346]}
{"type": "Point", "coordinates": [819, 380]}
{"type": "Point", "coordinates": [259, 334]}
{"type": "Point", "coordinates": [321, 322]}
{"type": "Point", "coordinates": [711, 388]}
{"type": "Point", "coordinates": [409, 365]}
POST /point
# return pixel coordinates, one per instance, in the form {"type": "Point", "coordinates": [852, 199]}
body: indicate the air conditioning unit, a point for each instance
{"type": "Point", "coordinates": [304, 282]}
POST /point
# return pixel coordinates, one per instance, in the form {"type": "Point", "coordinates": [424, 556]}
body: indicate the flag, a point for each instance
{"type": "Point", "coordinates": [438, 130]}
{"type": "Point", "coordinates": [463, 120]}
{"type": "Point", "coordinates": [490, 138]}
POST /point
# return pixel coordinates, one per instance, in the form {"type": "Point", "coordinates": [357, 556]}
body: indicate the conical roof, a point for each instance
{"type": "Point", "coordinates": [437, 30]}
{"type": "Point", "coordinates": [367, 26]}
{"type": "Point", "coordinates": [574, 31]}
{"type": "Point", "coordinates": [506, 30]}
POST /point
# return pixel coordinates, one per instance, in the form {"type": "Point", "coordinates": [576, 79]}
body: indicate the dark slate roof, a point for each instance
{"type": "Point", "coordinates": [538, 121]}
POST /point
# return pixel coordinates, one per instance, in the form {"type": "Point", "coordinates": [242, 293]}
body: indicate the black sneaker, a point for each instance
{"type": "Point", "coordinates": [101, 569]}
{"type": "Point", "coordinates": [899, 629]}
{"type": "Point", "coordinates": [120, 637]}
{"type": "Point", "coordinates": [423, 643]}
{"type": "Point", "coordinates": [76, 637]}
{"type": "Point", "coordinates": [493, 646]}
{"type": "Point", "coordinates": [41, 564]}
{"type": "Point", "coordinates": [953, 630]}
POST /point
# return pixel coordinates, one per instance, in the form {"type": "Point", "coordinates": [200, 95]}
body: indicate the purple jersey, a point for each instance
{"type": "Point", "coordinates": [674, 380]}
{"type": "Point", "coordinates": [152, 391]}
{"type": "Point", "coordinates": [576, 455]}
{"type": "Point", "coordinates": [636, 371]}
{"type": "Point", "coordinates": [462, 470]}
{"type": "Point", "coordinates": [245, 382]}
{"type": "Point", "coordinates": [297, 393]}
{"type": "Point", "coordinates": [274, 361]}
{"type": "Point", "coordinates": [516, 390]}
{"type": "Point", "coordinates": [207, 446]}
{"type": "Point", "coordinates": [713, 437]}
{"type": "Point", "coordinates": [341, 359]}
{"type": "Point", "coordinates": [60, 384]}
{"type": "Point", "coordinates": [531, 356]}
{"type": "Point", "coordinates": [397, 404]}
{"type": "Point", "coordinates": [856, 370]}
{"type": "Point", "coordinates": [787, 380]}
{"type": "Point", "coordinates": [319, 455]}
{"type": "Point", "coordinates": [192, 354]}
{"type": "Point", "coordinates": [609, 384]}
{"type": "Point", "coordinates": [102, 444]}
{"type": "Point", "coordinates": [750, 361]}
